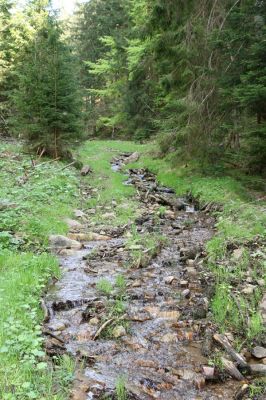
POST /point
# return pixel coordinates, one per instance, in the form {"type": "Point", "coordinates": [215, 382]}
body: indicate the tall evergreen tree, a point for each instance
{"type": "Point", "coordinates": [5, 62]}
{"type": "Point", "coordinates": [47, 100]}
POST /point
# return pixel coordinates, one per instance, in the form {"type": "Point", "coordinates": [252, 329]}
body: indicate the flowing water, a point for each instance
{"type": "Point", "coordinates": [158, 349]}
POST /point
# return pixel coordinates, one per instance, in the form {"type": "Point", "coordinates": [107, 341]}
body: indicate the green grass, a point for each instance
{"type": "Point", "coordinates": [30, 211]}
{"type": "Point", "coordinates": [120, 388]}
{"type": "Point", "coordinates": [105, 286]}
{"type": "Point", "coordinates": [110, 184]}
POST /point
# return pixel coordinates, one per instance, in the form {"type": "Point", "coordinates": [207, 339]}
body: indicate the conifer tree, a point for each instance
{"type": "Point", "coordinates": [5, 62]}
{"type": "Point", "coordinates": [47, 101]}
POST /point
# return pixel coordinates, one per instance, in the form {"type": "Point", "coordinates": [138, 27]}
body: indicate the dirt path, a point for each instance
{"type": "Point", "coordinates": [134, 308]}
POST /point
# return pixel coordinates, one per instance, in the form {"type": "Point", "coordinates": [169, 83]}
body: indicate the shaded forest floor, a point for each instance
{"type": "Point", "coordinates": [35, 202]}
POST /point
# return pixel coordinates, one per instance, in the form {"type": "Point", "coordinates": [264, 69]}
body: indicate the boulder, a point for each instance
{"type": "Point", "coordinates": [63, 242]}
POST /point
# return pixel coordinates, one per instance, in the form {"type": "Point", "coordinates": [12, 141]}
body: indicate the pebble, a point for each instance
{"type": "Point", "coordinates": [119, 331]}
{"type": "Point", "coordinates": [191, 271]}
{"type": "Point", "coordinates": [184, 283]}
{"type": "Point", "coordinates": [94, 321]}
{"type": "Point", "coordinates": [169, 280]}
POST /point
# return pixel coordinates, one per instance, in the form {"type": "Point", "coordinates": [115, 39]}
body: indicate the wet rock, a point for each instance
{"type": "Point", "coordinates": [58, 326]}
{"type": "Point", "coordinates": [169, 280]}
{"type": "Point", "coordinates": [146, 363]}
{"type": "Point", "coordinates": [54, 347]}
{"type": "Point", "coordinates": [169, 338]}
{"type": "Point", "coordinates": [199, 382]}
{"type": "Point", "coordinates": [208, 372]}
{"type": "Point", "coordinates": [172, 201]}
{"type": "Point", "coordinates": [199, 312]}
{"type": "Point", "coordinates": [190, 263]}
{"type": "Point", "coordinates": [207, 343]}
{"type": "Point", "coordinates": [259, 352]}
{"type": "Point", "coordinates": [186, 293]}
{"type": "Point", "coordinates": [258, 369]}
{"type": "Point", "coordinates": [119, 331]}
{"type": "Point", "coordinates": [191, 271]}
{"type": "Point", "coordinates": [59, 241]}
{"type": "Point", "coordinates": [171, 315]}
{"type": "Point", "coordinates": [136, 284]}
{"type": "Point", "coordinates": [189, 253]}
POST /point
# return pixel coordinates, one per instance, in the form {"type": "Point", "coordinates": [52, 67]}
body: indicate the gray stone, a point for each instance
{"type": "Point", "coordinates": [119, 331]}
{"type": "Point", "coordinates": [258, 369]}
{"type": "Point", "coordinates": [259, 352]}
{"type": "Point", "coordinates": [62, 242]}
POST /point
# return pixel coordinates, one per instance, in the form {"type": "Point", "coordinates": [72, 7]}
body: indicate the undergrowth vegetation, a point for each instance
{"type": "Point", "coordinates": [33, 203]}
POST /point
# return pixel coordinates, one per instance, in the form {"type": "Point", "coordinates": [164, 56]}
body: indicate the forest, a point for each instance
{"type": "Point", "coordinates": [132, 200]}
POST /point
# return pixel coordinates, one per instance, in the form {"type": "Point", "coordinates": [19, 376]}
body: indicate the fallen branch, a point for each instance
{"type": "Point", "coordinates": [68, 165]}
{"type": "Point", "coordinates": [97, 334]}
{"type": "Point", "coordinates": [230, 350]}
{"type": "Point", "coordinates": [231, 369]}
{"type": "Point", "coordinates": [109, 322]}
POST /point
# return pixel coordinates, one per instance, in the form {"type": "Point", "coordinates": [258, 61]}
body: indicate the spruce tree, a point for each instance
{"type": "Point", "coordinates": [47, 101]}
{"type": "Point", "coordinates": [5, 62]}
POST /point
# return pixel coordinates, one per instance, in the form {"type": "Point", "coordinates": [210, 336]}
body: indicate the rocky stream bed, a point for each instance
{"type": "Point", "coordinates": [155, 331]}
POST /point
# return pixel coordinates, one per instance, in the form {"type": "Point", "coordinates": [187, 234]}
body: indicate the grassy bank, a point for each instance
{"type": "Point", "coordinates": [33, 204]}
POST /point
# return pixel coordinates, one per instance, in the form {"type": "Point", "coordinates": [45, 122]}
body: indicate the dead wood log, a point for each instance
{"type": "Point", "coordinates": [223, 342]}
{"type": "Point", "coordinates": [231, 369]}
